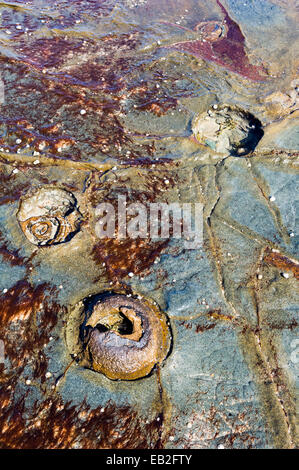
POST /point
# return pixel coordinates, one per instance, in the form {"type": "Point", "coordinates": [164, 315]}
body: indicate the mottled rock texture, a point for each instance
{"type": "Point", "coordinates": [99, 102]}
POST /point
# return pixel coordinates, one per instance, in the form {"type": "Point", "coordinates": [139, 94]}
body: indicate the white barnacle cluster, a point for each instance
{"type": "Point", "coordinates": [48, 216]}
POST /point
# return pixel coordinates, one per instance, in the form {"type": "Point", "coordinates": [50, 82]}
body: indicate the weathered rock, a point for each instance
{"type": "Point", "coordinates": [49, 215]}
{"type": "Point", "coordinates": [228, 130]}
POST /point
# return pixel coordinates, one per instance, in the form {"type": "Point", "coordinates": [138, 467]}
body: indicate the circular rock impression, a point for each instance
{"type": "Point", "coordinates": [228, 130]}
{"type": "Point", "coordinates": [121, 336]}
{"type": "Point", "coordinates": [48, 216]}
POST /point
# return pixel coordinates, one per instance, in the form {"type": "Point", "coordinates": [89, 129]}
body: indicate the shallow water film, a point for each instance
{"type": "Point", "coordinates": [149, 224]}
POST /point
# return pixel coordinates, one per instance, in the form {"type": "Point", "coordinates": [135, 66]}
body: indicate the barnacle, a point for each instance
{"type": "Point", "coordinates": [123, 337]}
{"type": "Point", "coordinates": [48, 215]}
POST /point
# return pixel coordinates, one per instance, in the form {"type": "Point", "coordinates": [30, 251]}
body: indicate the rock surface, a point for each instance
{"type": "Point", "coordinates": [98, 104]}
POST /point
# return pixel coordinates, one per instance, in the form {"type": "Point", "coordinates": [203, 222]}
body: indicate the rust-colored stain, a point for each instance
{"type": "Point", "coordinates": [57, 425]}
{"type": "Point", "coordinates": [28, 315]}
{"type": "Point", "coordinates": [124, 256]}
{"type": "Point", "coordinates": [217, 315]}
{"type": "Point", "coordinates": [227, 51]}
{"type": "Point", "coordinates": [158, 108]}
{"type": "Point", "coordinates": [71, 98]}
{"type": "Point", "coordinates": [10, 191]}
{"type": "Point", "coordinates": [202, 328]}
{"type": "Point", "coordinates": [281, 262]}
{"type": "Point", "coordinates": [199, 327]}
{"type": "Point", "coordinates": [11, 256]}
{"type": "Point", "coordinates": [146, 98]}
{"type": "Point", "coordinates": [98, 86]}
{"type": "Point", "coordinates": [21, 300]}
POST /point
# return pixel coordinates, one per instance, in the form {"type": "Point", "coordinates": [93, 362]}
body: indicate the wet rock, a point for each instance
{"type": "Point", "coordinates": [211, 30]}
{"type": "Point", "coordinates": [228, 130]}
{"type": "Point", "coordinates": [124, 336]}
{"type": "Point", "coordinates": [281, 104]}
{"type": "Point", "coordinates": [48, 216]}
{"type": "Point", "coordinates": [224, 44]}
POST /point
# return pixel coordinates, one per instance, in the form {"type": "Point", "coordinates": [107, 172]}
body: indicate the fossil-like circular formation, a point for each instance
{"type": "Point", "coordinates": [227, 129]}
{"type": "Point", "coordinates": [123, 337]}
{"type": "Point", "coordinates": [48, 216]}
